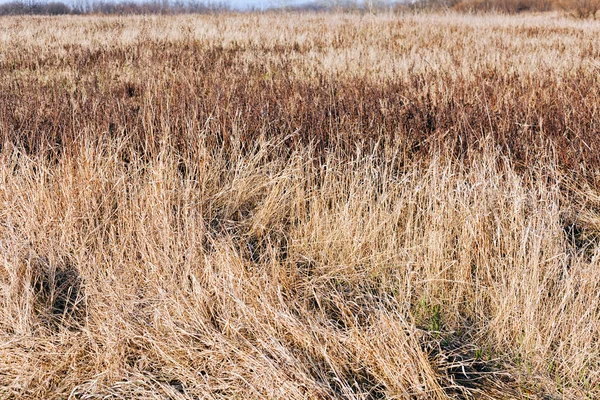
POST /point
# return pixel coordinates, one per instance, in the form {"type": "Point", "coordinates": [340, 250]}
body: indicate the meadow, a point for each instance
{"type": "Point", "coordinates": [300, 206]}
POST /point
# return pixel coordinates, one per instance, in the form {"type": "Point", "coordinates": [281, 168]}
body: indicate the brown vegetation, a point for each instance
{"type": "Point", "coordinates": [299, 206]}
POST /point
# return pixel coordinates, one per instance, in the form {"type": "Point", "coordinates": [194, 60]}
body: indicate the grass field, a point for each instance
{"type": "Point", "coordinates": [306, 206]}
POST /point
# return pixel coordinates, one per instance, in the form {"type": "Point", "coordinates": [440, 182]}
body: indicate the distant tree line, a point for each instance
{"type": "Point", "coordinates": [37, 7]}
{"type": "Point", "coordinates": [34, 7]}
{"type": "Point", "coordinates": [577, 8]}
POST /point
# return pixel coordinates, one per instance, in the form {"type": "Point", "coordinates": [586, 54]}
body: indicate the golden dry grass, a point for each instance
{"type": "Point", "coordinates": [299, 206]}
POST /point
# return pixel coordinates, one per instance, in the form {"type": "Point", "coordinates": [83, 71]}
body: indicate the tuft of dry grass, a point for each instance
{"type": "Point", "coordinates": [299, 206]}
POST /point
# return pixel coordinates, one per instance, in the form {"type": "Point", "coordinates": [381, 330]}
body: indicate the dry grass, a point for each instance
{"type": "Point", "coordinates": [299, 206]}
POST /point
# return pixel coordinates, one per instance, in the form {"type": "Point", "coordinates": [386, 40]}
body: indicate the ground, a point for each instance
{"type": "Point", "coordinates": [299, 205]}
